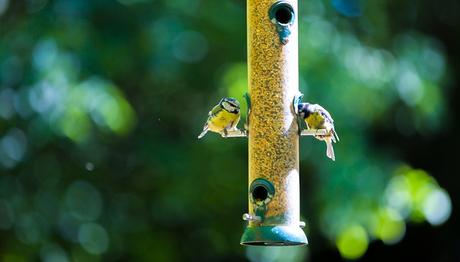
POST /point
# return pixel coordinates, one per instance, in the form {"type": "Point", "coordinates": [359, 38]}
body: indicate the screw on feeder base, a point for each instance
{"type": "Point", "coordinates": [248, 217]}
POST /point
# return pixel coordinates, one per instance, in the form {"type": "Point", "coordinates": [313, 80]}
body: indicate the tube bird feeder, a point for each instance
{"type": "Point", "coordinates": [273, 132]}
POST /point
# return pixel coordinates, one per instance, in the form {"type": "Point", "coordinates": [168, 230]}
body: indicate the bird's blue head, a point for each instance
{"type": "Point", "coordinates": [230, 104]}
{"type": "Point", "coordinates": [304, 110]}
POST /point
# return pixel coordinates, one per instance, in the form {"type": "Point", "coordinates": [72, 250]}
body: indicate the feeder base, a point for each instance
{"type": "Point", "coordinates": [273, 236]}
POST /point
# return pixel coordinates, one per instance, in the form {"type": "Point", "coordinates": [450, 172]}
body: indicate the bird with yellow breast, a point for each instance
{"type": "Point", "coordinates": [223, 117]}
{"type": "Point", "coordinates": [316, 117]}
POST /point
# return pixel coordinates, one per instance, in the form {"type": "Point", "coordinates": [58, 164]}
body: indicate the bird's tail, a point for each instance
{"type": "Point", "coordinates": [205, 130]}
{"type": "Point", "coordinates": [330, 149]}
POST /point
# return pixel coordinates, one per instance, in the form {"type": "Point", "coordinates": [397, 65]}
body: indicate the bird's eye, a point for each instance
{"type": "Point", "coordinates": [234, 104]}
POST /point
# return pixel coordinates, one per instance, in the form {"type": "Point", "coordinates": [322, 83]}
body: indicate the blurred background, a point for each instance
{"type": "Point", "coordinates": [101, 102]}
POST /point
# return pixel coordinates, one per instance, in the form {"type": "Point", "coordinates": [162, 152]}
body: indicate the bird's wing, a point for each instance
{"type": "Point", "coordinates": [215, 110]}
{"type": "Point", "coordinates": [323, 112]}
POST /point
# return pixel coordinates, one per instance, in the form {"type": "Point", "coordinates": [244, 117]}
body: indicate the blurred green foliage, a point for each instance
{"type": "Point", "coordinates": [101, 102]}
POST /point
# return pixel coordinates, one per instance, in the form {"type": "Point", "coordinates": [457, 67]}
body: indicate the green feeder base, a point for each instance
{"type": "Point", "coordinates": [273, 236]}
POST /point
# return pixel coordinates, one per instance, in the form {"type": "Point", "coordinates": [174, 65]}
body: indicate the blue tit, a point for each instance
{"type": "Point", "coordinates": [316, 117]}
{"type": "Point", "coordinates": [223, 117]}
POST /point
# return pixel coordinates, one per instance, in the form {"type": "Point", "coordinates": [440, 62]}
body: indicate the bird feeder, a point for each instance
{"type": "Point", "coordinates": [274, 190]}
{"type": "Point", "coordinates": [273, 126]}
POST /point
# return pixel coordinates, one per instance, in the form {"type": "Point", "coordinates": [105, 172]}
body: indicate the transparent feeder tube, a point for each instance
{"type": "Point", "coordinates": [274, 198]}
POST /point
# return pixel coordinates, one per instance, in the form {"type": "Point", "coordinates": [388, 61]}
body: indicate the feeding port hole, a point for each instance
{"type": "Point", "coordinates": [260, 193]}
{"type": "Point", "coordinates": [283, 14]}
